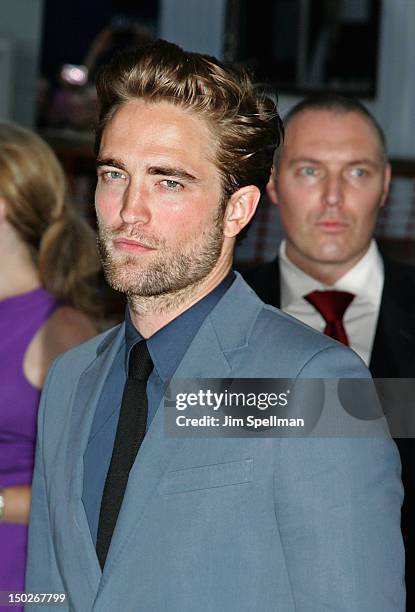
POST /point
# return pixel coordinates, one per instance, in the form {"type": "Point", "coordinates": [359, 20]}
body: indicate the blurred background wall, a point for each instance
{"type": "Point", "coordinates": [39, 35]}
{"type": "Point", "coordinates": [200, 26]}
{"type": "Point", "coordinates": [20, 43]}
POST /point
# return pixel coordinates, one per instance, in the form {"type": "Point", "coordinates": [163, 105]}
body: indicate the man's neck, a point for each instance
{"type": "Point", "coordinates": [149, 314]}
{"type": "Point", "coordinates": [326, 273]}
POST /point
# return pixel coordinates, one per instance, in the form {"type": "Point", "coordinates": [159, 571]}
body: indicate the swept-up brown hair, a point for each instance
{"type": "Point", "coordinates": [62, 244]}
{"type": "Point", "coordinates": [243, 121]}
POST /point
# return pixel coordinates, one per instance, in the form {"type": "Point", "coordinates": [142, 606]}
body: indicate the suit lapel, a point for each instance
{"type": "Point", "coordinates": [84, 404]}
{"type": "Point", "coordinates": [392, 353]}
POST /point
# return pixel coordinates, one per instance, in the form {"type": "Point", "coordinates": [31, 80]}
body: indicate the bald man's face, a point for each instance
{"type": "Point", "coordinates": [330, 183]}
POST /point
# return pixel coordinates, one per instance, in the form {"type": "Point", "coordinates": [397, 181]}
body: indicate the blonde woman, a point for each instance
{"type": "Point", "coordinates": [47, 261]}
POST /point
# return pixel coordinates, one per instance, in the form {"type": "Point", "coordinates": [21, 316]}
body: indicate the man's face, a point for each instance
{"type": "Point", "coordinates": [158, 199]}
{"type": "Point", "coordinates": [330, 183]}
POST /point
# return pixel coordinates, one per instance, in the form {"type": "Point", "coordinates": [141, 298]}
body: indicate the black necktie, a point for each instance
{"type": "Point", "coordinates": [332, 305]}
{"type": "Point", "coordinates": [130, 433]}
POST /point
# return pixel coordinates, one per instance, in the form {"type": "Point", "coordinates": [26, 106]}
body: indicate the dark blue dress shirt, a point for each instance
{"type": "Point", "coordinates": [167, 348]}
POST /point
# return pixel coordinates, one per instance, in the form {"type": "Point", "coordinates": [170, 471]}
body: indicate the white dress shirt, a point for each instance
{"type": "Point", "coordinates": [364, 280]}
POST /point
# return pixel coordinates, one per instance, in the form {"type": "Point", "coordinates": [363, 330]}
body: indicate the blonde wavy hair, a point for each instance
{"type": "Point", "coordinates": [61, 243]}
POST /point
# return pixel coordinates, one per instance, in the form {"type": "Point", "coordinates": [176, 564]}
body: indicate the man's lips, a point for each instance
{"type": "Point", "coordinates": [131, 246]}
{"type": "Point", "coordinates": [332, 226]}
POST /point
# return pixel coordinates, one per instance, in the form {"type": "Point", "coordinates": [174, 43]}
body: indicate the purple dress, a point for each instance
{"type": "Point", "coordinates": [20, 318]}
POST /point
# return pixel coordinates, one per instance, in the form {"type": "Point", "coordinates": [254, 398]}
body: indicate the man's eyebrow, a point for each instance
{"type": "Point", "coordinates": [303, 160]}
{"type": "Point", "coordinates": [111, 161]}
{"type": "Point", "coordinates": [173, 172]}
{"type": "Point", "coordinates": [365, 161]}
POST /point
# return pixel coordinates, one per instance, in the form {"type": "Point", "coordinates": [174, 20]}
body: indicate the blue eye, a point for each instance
{"type": "Point", "coordinates": [114, 174]}
{"type": "Point", "coordinates": [308, 171]}
{"type": "Point", "coordinates": [358, 172]}
{"type": "Point", "coordinates": [172, 185]}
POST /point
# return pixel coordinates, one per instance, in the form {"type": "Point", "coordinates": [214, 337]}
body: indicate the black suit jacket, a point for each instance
{"type": "Point", "coordinates": [393, 352]}
{"type": "Point", "coordinates": [393, 356]}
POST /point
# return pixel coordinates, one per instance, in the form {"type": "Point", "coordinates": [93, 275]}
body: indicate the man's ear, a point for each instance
{"type": "Point", "coordinates": [272, 188]}
{"type": "Point", "coordinates": [240, 209]}
{"type": "Point", "coordinates": [386, 184]}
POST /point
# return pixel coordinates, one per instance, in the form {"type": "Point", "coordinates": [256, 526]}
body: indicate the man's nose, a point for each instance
{"type": "Point", "coordinates": [333, 190]}
{"type": "Point", "coordinates": [135, 208]}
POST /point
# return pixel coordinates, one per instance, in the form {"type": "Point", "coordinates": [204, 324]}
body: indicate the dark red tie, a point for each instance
{"type": "Point", "coordinates": [332, 305]}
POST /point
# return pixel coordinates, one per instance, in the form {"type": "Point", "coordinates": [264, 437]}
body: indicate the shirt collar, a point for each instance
{"type": "Point", "coordinates": [169, 344]}
{"type": "Point", "coordinates": [365, 279]}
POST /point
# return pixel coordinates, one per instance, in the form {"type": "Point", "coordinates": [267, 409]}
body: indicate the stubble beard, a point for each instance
{"type": "Point", "coordinates": [172, 275]}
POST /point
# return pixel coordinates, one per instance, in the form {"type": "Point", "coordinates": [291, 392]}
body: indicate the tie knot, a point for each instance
{"type": "Point", "coordinates": [330, 304]}
{"type": "Point", "coordinates": [140, 364]}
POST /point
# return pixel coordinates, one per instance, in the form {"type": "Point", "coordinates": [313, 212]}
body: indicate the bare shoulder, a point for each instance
{"type": "Point", "coordinates": [65, 328]}
{"type": "Point", "coordinates": [68, 327]}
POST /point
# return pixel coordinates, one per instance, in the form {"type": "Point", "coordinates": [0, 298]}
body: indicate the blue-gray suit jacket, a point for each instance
{"type": "Point", "coordinates": [220, 524]}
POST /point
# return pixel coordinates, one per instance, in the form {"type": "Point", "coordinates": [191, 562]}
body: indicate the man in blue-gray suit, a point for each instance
{"type": "Point", "coordinates": [125, 517]}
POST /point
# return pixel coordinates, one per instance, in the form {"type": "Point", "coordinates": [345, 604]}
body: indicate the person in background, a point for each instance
{"type": "Point", "coordinates": [330, 181]}
{"type": "Point", "coordinates": [48, 259]}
